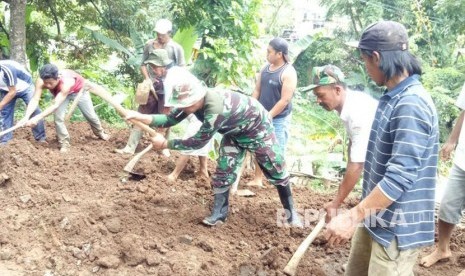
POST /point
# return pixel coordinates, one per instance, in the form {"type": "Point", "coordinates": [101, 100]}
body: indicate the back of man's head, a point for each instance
{"type": "Point", "coordinates": [390, 40]}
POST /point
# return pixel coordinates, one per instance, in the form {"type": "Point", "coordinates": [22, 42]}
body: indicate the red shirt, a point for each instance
{"type": "Point", "coordinates": [66, 73]}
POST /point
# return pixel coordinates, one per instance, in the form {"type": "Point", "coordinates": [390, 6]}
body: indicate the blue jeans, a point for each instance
{"type": "Point", "coordinates": [281, 129]}
{"type": "Point", "coordinates": [7, 116]}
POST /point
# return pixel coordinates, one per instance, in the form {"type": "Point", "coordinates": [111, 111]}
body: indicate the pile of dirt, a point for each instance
{"type": "Point", "coordinates": [71, 214]}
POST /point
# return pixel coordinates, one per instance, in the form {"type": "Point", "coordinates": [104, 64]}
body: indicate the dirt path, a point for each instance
{"type": "Point", "coordinates": [71, 215]}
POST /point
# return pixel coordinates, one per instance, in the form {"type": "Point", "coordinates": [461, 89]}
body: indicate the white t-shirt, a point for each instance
{"type": "Point", "coordinates": [459, 158]}
{"type": "Point", "coordinates": [357, 114]}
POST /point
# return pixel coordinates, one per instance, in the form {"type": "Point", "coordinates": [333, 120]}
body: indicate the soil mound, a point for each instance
{"type": "Point", "coordinates": [71, 214]}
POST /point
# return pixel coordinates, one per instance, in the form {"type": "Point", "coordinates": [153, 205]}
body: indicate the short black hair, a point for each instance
{"type": "Point", "coordinates": [49, 71]}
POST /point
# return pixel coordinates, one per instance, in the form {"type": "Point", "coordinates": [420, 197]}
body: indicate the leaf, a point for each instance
{"type": "Point", "coordinates": [186, 38]}
{"type": "Point", "coordinates": [299, 46]}
{"type": "Point", "coordinates": [109, 42]}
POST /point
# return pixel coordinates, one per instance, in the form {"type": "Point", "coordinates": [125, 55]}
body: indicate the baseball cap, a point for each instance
{"type": "Point", "coordinates": [163, 26]}
{"type": "Point", "coordinates": [158, 57]}
{"type": "Point", "coordinates": [279, 44]}
{"type": "Point", "coordinates": [324, 75]}
{"type": "Point", "coordinates": [384, 36]}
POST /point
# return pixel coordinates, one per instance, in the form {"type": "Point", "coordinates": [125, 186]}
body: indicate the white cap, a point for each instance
{"type": "Point", "coordinates": [163, 26]}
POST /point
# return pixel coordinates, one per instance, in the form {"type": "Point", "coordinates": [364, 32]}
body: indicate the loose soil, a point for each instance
{"type": "Point", "coordinates": [74, 214]}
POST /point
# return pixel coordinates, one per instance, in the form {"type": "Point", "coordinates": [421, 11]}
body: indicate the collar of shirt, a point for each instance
{"type": "Point", "coordinates": [412, 80]}
{"type": "Point", "coordinates": [344, 111]}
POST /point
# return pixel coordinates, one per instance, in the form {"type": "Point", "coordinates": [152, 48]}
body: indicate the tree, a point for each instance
{"type": "Point", "coordinates": [228, 30]}
{"type": "Point", "coordinates": [17, 34]}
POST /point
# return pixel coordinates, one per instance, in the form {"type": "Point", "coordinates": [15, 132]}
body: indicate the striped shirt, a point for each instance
{"type": "Point", "coordinates": [401, 160]}
{"type": "Point", "coordinates": [14, 74]}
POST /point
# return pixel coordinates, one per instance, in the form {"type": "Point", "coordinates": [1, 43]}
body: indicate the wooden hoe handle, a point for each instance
{"type": "Point", "coordinates": [132, 163]}
{"type": "Point", "coordinates": [291, 267]}
{"type": "Point", "coordinates": [74, 105]}
{"type": "Point", "coordinates": [121, 110]}
{"type": "Point", "coordinates": [10, 129]}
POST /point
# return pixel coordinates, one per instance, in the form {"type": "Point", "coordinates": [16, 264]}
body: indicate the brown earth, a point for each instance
{"type": "Point", "coordinates": [72, 215]}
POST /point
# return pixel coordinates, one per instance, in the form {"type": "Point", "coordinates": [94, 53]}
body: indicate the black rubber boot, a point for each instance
{"type": "Point", "coordinates": [220, 209]}
{"type": "Point", "coordinates": [285, 196]}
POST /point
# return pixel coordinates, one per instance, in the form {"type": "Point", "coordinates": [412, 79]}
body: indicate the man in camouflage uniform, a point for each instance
{"type": "Point", "coordinates": [245, 126]}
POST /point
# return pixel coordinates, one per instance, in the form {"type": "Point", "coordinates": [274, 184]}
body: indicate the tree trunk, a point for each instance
{"type": "Point", "coordinates": [18, 31]}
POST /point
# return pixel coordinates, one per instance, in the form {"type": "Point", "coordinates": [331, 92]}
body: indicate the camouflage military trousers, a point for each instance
{"type": "Point", "coordinates": [268, 154]}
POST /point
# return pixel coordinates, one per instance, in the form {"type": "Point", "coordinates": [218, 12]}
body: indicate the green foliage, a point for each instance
{"type": "Point", "coordinates": [444, 85]}
{"type": "Point", "coordinates": [313, 127]}
{"type": "Point", "coordinates": [228, 29]}
{"type": "Point", "coordinates": [433, 25]}
{"type": "Point", "coordinates": [112, 82]}
{"type": "Point", "coordinates": [276, 15]}
{"type": "Point", "coordinates": [186, 38]}
{"type": "Point", "coordinates": [4, 41]}
{"type": "Point", "coordinates": [321, 51]}
{"type": "Point", "coordinates": [299, 46]}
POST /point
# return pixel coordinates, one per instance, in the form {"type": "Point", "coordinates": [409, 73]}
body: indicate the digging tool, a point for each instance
{"type": "Point", "coordinates": [74, 105]}
{"type": "Point", "coordinates": [11, 129]}
{"type": "Point", "coordinates": [130, 165]}
{"type": "Point", "coordinates": [121, 110]}
{"type": "Point", "coordinates": [291, 267]}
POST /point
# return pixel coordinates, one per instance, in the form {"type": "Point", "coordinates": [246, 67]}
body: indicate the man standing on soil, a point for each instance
{"type": "Point", "coordinates": [397, 204]}
{"type": "Point", "coordinates": [16, 83]}
{"type": "Point", "coordinates": [452, 203]}
{"type": "Point", "coordinates": [245, 126]}
{"type": "Point", "coordinates": [155, 103]}
{"type": "Point", "coordinates": [274, 89]}
{"type": "Point", "coordinates": [65, 85]}
{"type": "Point", "coordinates": [332, 94]}
{"type": "Point", "coordinates": [165, 70]}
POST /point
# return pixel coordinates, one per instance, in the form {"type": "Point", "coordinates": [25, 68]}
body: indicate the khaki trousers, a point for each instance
{"type": "Point", "coordinates": [367, 257]}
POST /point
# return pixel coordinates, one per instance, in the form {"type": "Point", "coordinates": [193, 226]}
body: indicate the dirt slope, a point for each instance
{"type": "Point", "coordinates": [71, 215]}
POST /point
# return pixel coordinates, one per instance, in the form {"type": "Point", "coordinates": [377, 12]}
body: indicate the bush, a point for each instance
{"type": "Point", "coordinates": [444, 84]}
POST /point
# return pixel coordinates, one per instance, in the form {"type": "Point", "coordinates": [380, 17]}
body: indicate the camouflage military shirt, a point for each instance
{"type": "Point", "coordinates": [245, 125]}
{"type": "Point", "coordinates": [240, 117]}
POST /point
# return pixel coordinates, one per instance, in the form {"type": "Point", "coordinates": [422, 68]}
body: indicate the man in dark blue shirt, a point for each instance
{"type": "Point", "coordinates": [15, 83]}
{"type": "Point", "coordinates": [397, 205]}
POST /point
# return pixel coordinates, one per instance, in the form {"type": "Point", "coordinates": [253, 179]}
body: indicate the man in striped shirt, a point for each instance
{"type": "Point", "coordinates": [397, 205]}
{"type": "Point", "coordinates": [16, 83]}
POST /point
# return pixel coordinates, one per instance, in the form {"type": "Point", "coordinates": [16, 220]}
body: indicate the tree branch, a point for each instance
{"type": "Point", "coordinates": [4, 30]}
{"type": "Point", "coordinates": [106, 20]}
{"type": "Point", "coordinates": [55, 17]}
